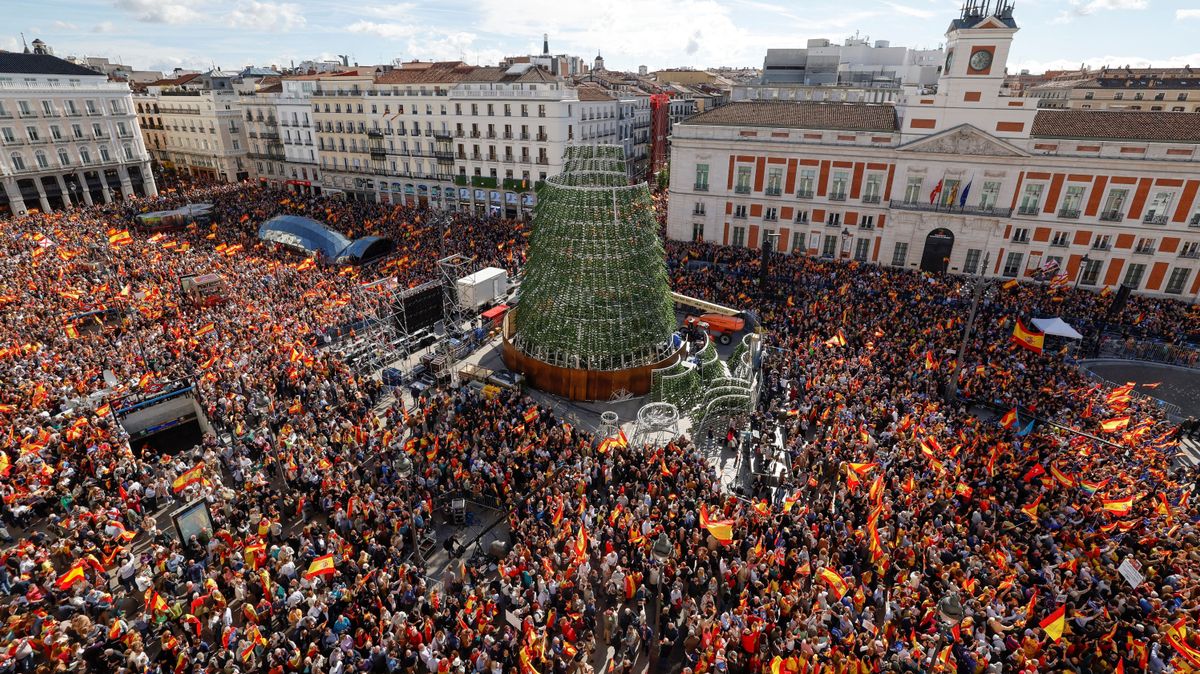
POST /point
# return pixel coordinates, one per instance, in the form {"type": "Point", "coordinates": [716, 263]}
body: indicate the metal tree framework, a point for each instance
{"type": "Point", "coordinates": [595, 293]}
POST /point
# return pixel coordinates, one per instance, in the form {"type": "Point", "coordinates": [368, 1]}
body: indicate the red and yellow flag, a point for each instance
{"type": "Point", "coordinates": [1115, 424]}
{"type": "Point", "coordinates": [1029, 339]}
{"type": "Point", "coordinates": [580, 546]}
{"type": "Point", "coordinates": [1009, 419]}
{"type": "Point", "coordinates": [836, 583]}
{"type": "Point", "coordinates": [321, 566]}
{"type": "Point", "coordinates": [189, 477]}
{"type": "Point", "coordinates": [722, 530]}
{"type": "Point", "coordinates": [1118, 506]}
{"type": "Point", "coordinates": [72, 576]}
{"type": "Point", "coordinates": [1055, 623]}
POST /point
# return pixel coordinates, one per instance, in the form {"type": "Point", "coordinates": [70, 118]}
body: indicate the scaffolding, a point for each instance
{"type": "Point", "coordinates": [380, 338]}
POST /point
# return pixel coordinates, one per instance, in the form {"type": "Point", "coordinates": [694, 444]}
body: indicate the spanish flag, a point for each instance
{"type": "Point", "coordinates": [837, 340]}
{"type": "Point", "coordinates": [1177, 637]}
{"type": "Point", "coordinates": [71, 331]}
{"type": "Point", "coordinates": [1009, 285]}
{"type": "Point", "coordinates": [930, 363]}
{"type": "Point", "coordinates": [531, 414]}
{"type": "Point", "coordinates": [1009, 419]}
{"type": "Point", "coordinates": [204, 329]}
{"type": "Point", "coordinates": [558, 514]}
{"type": "Point", "coordinates": [1117, 506]}
{"type": "Point", "coordinates": [1115, 424]}
{"type": "Point", "coordinates": [188, 478]}
{"type": "Point", "coordinates": [72, 576]}
{"type": "Point", "coordinates": [118, 239]}
{"type": "Point", "coordinates": [1023, 336]}
{"type": "Point", "coordinates": [1055, 623]}
{"type": "Point", "coordinates": [722, 530]}
{"type": "Point", "coordinates": [154, 602]}
{"type": "Point", "coordinates": [1032, 508]}
{"type": "Point", "coordinates": [580, 546]}
{"type": "Point", "coordinates": [321, 566]}
{"type": "Point", "coordinates": [836, 583]}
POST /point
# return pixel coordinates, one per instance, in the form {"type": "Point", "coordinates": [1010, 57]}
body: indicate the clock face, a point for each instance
{"type": "Point", "coordinates": [949, 60]}
{"type": "Point", "coordinates": [981, 60]}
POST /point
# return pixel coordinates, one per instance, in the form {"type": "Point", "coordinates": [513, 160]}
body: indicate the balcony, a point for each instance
{"type": "Point", "coordinates": [1143, 250]}
{"type": "Point", "coordinates": [770, 218]}
{"type": "Point", "coordinates": [1112, 216]}
{"type": "Point", "coordinates": [1069, 213]}
{"type": "Point", "coordinates": [442, 136]}
{"type": "Point", "coordinates": [508, 135]}
{"type": "Point", "coordinates": [1029, 210]}
{"type": "Point", "coordinates": [524, 136]}
{"type": "Point", "coordinates": [1021, 239]}
{"type": "Point", "coordinates": [1190, 254]}
{"type": "Point", "coordinates": [739, 215]}
{"type": "Point", "coordinates": [525, 159]}
{"type": "Point", "coordinates": [804, 194]}
{"type": "Point", "coordinates": [491, 135]}
{"type": "Point", "coordinates": [1059, 244]}
{"type": "Point", "coordinates": [544, 161]}
{"type": "Point", "coordinates": [700, 187]}
{"type": "Point", "coordinates": [542, 137]}
{"type": "Point", "coordinates": [492, 157]}
{"type": "Point", "coordinates": [476, 134]}
{"type": "Point", "coordinates": [871, 198]}
{"type": "Point", "coordinates": [698, 211]}
{"type": "Point", "coordinates": [837, 196]}
{"type": "Point", "coordinates": [444, 157]}
{"type": "Point", "coordinates": [866, 225]}
{"type": "Point", "coordinates": [1152, 219]}
{"type": "Point", "coordinates": [987, 211]}
{"type": "Point", "coordinates": [1102, 246]}
{"type": "Point", "coordinates": [1195, 221]}
{"type": "Point", "coordinates": [773, 191]}
{"type": "Point", "coordinates": [742, 189]}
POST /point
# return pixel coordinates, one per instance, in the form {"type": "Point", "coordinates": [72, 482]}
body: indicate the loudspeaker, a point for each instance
{"type": "Point", "coordinates": [1119, 300]}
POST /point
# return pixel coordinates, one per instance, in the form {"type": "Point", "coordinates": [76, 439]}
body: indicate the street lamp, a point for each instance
{"type": "Point", "coordinates": [1082, 269]}
{"type": "Point", "coordinates": [661, 550]}
{"type": "Point", "coordinates": [976, 296]}
{"type": "Point", "coordinates": [404, 469]}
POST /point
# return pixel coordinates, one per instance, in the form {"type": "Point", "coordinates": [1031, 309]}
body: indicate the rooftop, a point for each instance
{"type": "Point", "coordinates": [41, 64]}
{"type": "Point", "coordinates": [1117, 125]}
{"type": "Point", "coordinates": [800, 115]}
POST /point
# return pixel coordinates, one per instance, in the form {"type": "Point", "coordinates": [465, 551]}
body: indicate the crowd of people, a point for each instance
{"type": "Point", "coordinates": [910, 533]}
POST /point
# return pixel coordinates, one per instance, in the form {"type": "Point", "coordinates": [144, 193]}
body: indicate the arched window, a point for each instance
{"type": "Point", "coordinates": [63, 157]}
{"type": "Point", "coordinates": [40, 157]}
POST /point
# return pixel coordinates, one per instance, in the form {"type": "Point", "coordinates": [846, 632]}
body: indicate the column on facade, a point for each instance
{"type": "Point", "coordinates": [37, 182]}
{"type": "Point", "coordinates": [126, 183]}
{"type": "Point", "coordinates": [15, 201]}
{"type": "Point", "coordinates": [83, 188]}
{"type": "Point", "coordinates": [148, 180]}
{"type": "Point", "coordinates": [66, 195]}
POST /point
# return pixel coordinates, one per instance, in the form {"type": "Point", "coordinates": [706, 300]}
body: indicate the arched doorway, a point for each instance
{"type": "Point", "coordinates": [938, 246]}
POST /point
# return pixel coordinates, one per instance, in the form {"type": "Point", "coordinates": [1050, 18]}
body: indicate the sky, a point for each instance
{"type": "Point", "coordinates": [165, 34]}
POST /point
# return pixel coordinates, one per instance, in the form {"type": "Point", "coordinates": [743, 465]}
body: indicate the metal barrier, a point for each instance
{"type": "Point", "coordinates": [1171, 410]}
{"type": "Point", "coordinates": [1115, 346]}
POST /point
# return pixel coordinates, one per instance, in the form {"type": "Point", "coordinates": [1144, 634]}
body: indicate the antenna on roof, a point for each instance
{"type": "Point", "coordinates": [24, 43]}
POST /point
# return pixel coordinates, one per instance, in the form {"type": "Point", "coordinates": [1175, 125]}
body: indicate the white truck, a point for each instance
{"type": "Point", "coordinates": [483, 287]}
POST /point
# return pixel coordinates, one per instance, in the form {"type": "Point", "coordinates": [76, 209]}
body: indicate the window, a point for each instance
{"type": "Point", "coordinates": [912, 195]}
{"type": "Point", "coordinates": [1156, 214]}
{"type": "Point", "coordinates": [1012, 264]}
{"type": "Point", "coordinates": [739, 211]}
{"type": "Point", "coordinates": [1114, 206]}
{"type": "Point", "coordinates": [698, 209]}
{"type": "Point", "coordinates": [1061, 239]}
{"type": "Point", "coordinates": [702, 177]}
{"type": "Point", "coordinates": [770, 214]}
{"type": "Point", "coordinates": [17, 161]}
{"type": "Point", "coordinates": [739, 236]}
{"type": "Point", "coordinates": [63, 157]}
{"type": "Point", "coordinates": [833, 219]}
{"type": "Point", "coordinates": [1102, 242]}
{"type": "Point", "coordinates": [862, 247]}
{"type": "Point", "coordinates": [1145, 246]}
{"type": "Point", "coordinates": [775, 181]}
{"type": "Point", "coordinates": [971, 265]}
{"type": "Point", "coordinates": [1190, 249]}
{"type": "Point", "coordinates": [1020, 235]}
{"type": "Point", "coordinates": [808, 179]}
{"type": "Point", "coordinates": [801, 216]}
{"type": "Point", "coordinates": [837, 186]}
{"type": "Point", "coordinates": [872, 190]}
{"type": "Point", "coordinates": [743, 180]}
{"type": "Point", "coordinates": [900, 253]}
{"type": "Point", "coordinates": [1091, 272]}
{"type": "Point", "coordinates": [1071, 202]}
{"type": "Point", "coordinates": [1031, 200]}
{"type": "Point", "coordinates": [697, 231]}
{"type": "Point", "coordinates": [1133, 275]}
{"type": "Point", "coordinates": [829, 247]}
{"type": "Point", "coordinates": [7, 133]}
{"type": "Point", "coordinates": [866, 222]}
{"type": "Point", "coordinates": [1178, 280]}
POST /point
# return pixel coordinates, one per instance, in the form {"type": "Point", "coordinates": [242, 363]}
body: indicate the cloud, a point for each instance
{"type": "Point", "coordinates": [1080, 8]}
{"type": "Point", "coordinates": [105, 27]}
{"type": "Point", "coordinates": [63, 25]}
{"type": "Point", "coordinates": [392, 11]}
{"type": "Point", "coordinates": [389, 31]}
{"type": "Point", "coordinates": [283, 16]}
{"type": "Point", "coordinates": [908, 10]}
{"type": "Point", "coordinates": [1184, 14]}
{"type": "Point", "coordinates": [693, 44]}
{"type": "Point", "coordinates": [156, 11]}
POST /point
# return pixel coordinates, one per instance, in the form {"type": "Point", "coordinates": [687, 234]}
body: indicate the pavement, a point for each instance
{"type": "Point", "coordinates": [1179, 385]}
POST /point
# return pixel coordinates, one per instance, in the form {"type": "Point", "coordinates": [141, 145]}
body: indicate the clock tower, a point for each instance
{"type": "Point", "coordinates": [972, 79]}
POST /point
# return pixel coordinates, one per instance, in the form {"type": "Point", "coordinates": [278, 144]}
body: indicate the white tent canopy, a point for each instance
{"type": "Point", "coordinates": [1057, 327]}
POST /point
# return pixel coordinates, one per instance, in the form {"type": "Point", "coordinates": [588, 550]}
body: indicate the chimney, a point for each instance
{"type": "Point", "coordinates": [545, 44]}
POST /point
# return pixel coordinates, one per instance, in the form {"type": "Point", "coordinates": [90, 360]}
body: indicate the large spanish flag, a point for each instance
{"type": "Point", "coordinates": [1009, 419]}
{"type": "Point", "coordinates": [1118, 506]}
{"type": "Point", "coordinates": [188, 478]}
{"type": "Point", "coordinates": [1115, 424]}
{"type": "Point", "coordinates": [580, 546]}
{"type": "Point", "coordinates": [722, 530]}
{"type": "Point", "coordinates": [1027, 338]}
{"type": "Point", "coordinates": [321, 566]}
{"type": "Point", "coordinates": [836, 583]}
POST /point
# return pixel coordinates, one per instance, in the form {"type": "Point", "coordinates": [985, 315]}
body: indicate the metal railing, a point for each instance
{"type": "Point", "coordinates": [951, 209]}
{"type": "Point", "coordinates": [1114, 346]}
{"type": "Point", "coordinates": [1068, 213]}
{"type": "Point", "coordinates": [1112, 216]}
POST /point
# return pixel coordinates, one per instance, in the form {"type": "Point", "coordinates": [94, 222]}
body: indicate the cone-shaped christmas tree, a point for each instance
{"type": "Point", "coordinates": [595, 293]}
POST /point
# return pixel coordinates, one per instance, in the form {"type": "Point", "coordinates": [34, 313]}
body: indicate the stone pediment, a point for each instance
{"type": "Point", "coordinates": [964, 140]}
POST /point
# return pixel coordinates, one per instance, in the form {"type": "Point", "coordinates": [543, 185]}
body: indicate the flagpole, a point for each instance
{"type": "Point", "coordinates": [977, 295]}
